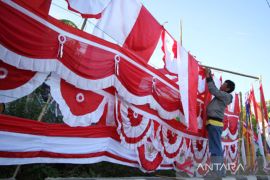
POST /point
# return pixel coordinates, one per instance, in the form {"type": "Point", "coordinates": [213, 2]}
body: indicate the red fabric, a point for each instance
{"type": "Point", "coordinates": [253, 100]}
{"type": "Point", "coordinates": [41, 7]}
{"type": "Point", "coordinates": [38, 41]}
{"type": "Point", "coordinates": [133, 120]}
{"type": "Point", "coordinates": [232, 122]}
{"type": "Point", "coordinates": [145, 163]}
{"type": "Point", "coordinates": [237, 105]}
{"type": "Point", "coordinates": [73, 97]}
{"type": "Point", "coordinates": [21, 34]}
{"type": "Point", "coordinates": [144, 35]}
{"type": "Point", "coordinates": [265, 113]}
{"type": "Point", "coordinates": [27, 126]}
{"type": "Point", "coordinates": [15, 77]}
{"type": "Point", "coordinates": [203, 97]}
{"type": "Point", "coordinates": [231, 119]}
{"type": "Point", "coordinates": [102, 121]}
{"type": "Point", "coordinates": [193, 73]}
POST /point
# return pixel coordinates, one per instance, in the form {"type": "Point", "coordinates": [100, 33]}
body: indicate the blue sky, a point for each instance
{"type": "Point", "coordinates": [228, 34]}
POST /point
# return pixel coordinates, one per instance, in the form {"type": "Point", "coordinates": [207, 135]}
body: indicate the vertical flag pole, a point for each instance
{"type": "Point", "coordinates": [241, 134]}
{"type": "Point", "coordinates": [84, 24]}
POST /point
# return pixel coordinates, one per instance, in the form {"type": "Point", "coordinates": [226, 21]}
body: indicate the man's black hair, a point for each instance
{"type": "Point", "coordinates": [230, 85]}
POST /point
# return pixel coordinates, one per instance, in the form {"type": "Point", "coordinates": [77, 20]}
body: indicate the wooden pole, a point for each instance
{"type": "Point", "coordinates": [44, 109]}
{"type": "Point", "coordinates": [241, 121]}
{"type": "Point", "coordinates": [2, 108]}
{"type": "Point", "coordinates": [42, 113]}
{"type": "Point", "coordinates": [231, 72]}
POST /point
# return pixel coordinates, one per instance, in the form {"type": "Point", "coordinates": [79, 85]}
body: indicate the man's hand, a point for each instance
{"type": "Point", "coordinates": [207, 72]}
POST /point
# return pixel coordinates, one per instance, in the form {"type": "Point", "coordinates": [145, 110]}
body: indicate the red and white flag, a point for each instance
{"type": "Point", "coordinates": [263, 103]}
{"type": "Point", "coordinates": [88, 8]}
{"type": "Point", "coordinates": [188, 72]}
{"type": "Point", "coordinates": [265, 113]}
{"type": "Point", "coordinates": [129, 24]}
{"type": "Point", "coordinates": [256, 108]}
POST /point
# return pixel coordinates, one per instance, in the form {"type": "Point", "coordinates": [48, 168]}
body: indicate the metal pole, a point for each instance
{"type": "Point", "coordinates": [232, 72]}
{"type": "Point", "coordinates": [84, 24]}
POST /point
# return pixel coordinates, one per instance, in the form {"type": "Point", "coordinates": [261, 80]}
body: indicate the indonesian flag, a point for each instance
{"type": "Point", "coordinates": [263, 103]}
{"type": "Point", "coordinates": [88, 8]}
{"type": "Point", "coordinates": [129, 24]}
{"type": "Point", "coordinates": [188, 72]}
{"type": "Point", "coordinates": [266, 120]}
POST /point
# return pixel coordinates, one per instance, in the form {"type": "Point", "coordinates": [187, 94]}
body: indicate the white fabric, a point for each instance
{"type": "Point", "coordinates": [118, 20]}
{"type": "Point", "coordinates": [201, 84]}
{"type": "Point", "coordinates": [27, 88]}
{"type": "Point", "coordinates": [18, 142]}
{"type": "Point", "coordinates": [91, 7]}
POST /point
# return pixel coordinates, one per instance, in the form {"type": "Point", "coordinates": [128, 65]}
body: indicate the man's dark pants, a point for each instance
{"type": "Point", "coordinates": [215, 147]}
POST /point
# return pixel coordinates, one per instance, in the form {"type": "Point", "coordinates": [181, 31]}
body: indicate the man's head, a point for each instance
{"type": "Point", "coordinates": [228, 86]}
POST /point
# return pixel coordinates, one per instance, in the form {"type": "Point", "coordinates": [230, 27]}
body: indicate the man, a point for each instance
{"type": "Point", "coordinates": [215, 114]}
